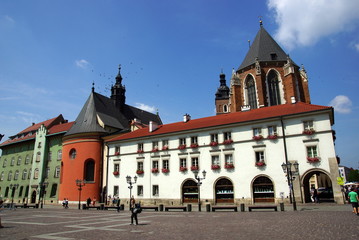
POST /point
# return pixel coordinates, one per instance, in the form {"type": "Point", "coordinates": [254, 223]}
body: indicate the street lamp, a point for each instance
{"type": "Point", "coordinates": [80, 184]}
{"type": "Point", "coordinates": [287, 169]}
{"type": "Point", "coordinates": [199, 183]}
{"type": "Point", "coordinates": [13, 188]}
{"type": "Point", "coordinates": [42, 186]}
{"type": "Point", "coordinates": [129, 181]}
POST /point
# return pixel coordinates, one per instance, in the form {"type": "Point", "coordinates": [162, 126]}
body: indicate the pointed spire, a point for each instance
{"type": "Point", "coordinates": [93, 86]}
{"type": "Point", "coordinates": [119, 77]}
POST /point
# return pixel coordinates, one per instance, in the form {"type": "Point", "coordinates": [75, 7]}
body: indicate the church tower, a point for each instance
{"type": "Point", "coordinates": [222, 96]}
{"type": "Point", "coordinates": [118, 91]}
{"type": "Point", "coordinates": [267, 77]}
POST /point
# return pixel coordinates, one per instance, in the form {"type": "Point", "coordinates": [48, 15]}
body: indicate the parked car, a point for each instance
{"type": "Point", "coordinates": [325, 194]}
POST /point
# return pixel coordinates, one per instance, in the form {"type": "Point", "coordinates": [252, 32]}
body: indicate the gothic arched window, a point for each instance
{"type": "Point", "coordinates": [90, 170]}
{"type": "Point", "coordinates": [273, 85]}
{"type": "Point", "coordinates": [251, 92]}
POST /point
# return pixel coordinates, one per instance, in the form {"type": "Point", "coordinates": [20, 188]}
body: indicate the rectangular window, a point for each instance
{"type": "Point", "coordinates": [38, 156]}
{"type": "Point", "coordinates": [140, 166]}
{"type": "Point", "coordinates": [228, 159]}
{"type": "Point", "coordinates": [165, 145]}
{"type": "Point", "coordinates": [194, 140]}
{"type": "Point", "coordinates": [308, 125]}
{"type": "Point", "coordinates": [183, 162]}
{"type": "Point", "coordinates": [12, 163]}
{"type": "Point", "coordinates": [115, 191]}
{"type": "Point", "coordinates": [57, 172]}
{"type": "Point", "coordinates": [19, 161]}
{"type": "Point", "coordinates": [116, 167]}
{"type": "Point", "coordinates": [155, 190]}
{"type": "Point", "coordinates": [140, 147]}
{"type": "Point", "coordinates": [155, 146]}
{"type": "Point", "coordinates": [117, 150]}
{"type": "Point", "coordinates": [139, 190]}
{"type": "Point", "coordinates": [59, 155]}
{"type": "Point", "coordinates": [227, 136]}
{"type": "Point", "coordinates": [257, 132]}
{"type": "Point", "coordinates": [49, 156]}
{"type": "Point", "coordinates": [165, 164]}
{"type": "Point", "coordinates": [155, 164]}
{"type": "Point", "coordinates": [182, 141]}
{"type": "Point", "coordinates": [47, 173]}
{"type": "Point", "coordinates": [259, 156]}
{"type": "Point", "coordinates": [312, 152]}
{"type": "Point", "coordinates": [195, 163]}
{"type": "Point", "coordinates": [214, 137]}
{"type": "Point", "coordinates": [215, 160]}
{"type": "Point", "coordinates": [272, 130]}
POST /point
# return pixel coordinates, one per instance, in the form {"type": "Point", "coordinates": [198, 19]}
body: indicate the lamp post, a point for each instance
{"type": "Point", "coordinates": [287, 169]}
{"type": "Point", "coordinates": [80, 184]}
{"type": "Point", "coordinates": [13, 188]}
{"type": "Point", "coordinates": [199, 183]}
{"type": "Point", "coordinates": [129, 181]}
{"type": "Point", "coordinates": [42, 185]}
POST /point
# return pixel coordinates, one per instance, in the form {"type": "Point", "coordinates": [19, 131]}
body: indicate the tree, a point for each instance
{"type": "Point", "coordinates": [353, 175]}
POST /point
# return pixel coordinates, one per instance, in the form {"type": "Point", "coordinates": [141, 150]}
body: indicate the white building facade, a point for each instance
{"type": "Point", "coordinates": [242, 154]}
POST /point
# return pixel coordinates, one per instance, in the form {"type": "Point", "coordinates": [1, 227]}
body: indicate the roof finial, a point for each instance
{"type": "Point", "coordinates": [93, 86]}
{"type": "Point", "coordinates": [260, 21]}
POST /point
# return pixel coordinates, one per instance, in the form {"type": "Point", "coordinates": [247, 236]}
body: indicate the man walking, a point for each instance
{"type": "Point", "coordinates": [354, 199]}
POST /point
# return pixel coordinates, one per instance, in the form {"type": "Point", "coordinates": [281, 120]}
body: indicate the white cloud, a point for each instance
{"type": "Point", "coordinates": [82, 63]}
{"type": "Point", "coordinates": [145, 107]}
{"type": "Point", "coordinates": [341, 104]}
{"type": "Point", "coordinates": [356, 46]}
{"type": "Point", "coordinates": [304, 22]}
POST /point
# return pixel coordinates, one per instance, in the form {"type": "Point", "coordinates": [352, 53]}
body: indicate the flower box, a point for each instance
{"type": "Point", "coordinates": [229, 166]}
{"type": "Point", "coordinates": [183, 169]}
{"type": "Point", "coordinates": [309, 131]}
{"type": "Point", "coordinates": [228, 141]}
{"type": "Point", "coordinates": [275, 136]}
{"type": "Point", "coordinates": [164, 148]}
{"type": "Point", "coordinates": [313, 159]}
{"type": "Point", "coordinates": [154, 170]}
{"type": "Point", "coordinates": [117, 153]}
{"type": "Point", "coordinates": [116, 173]}
{"type": "Point", "coordinates": [194, 145]}
{"type": "Point", "coordinates": [260, 164]}
{"type": "Point", "coordinates": [140, 171]}
{"type": "Point", "coordinates": [165, 170]}
{"type": "Point", "coordinates": [140, 151]}
{"type": "Point", "coordinates": [155, 150]}
{"type": "Point", "coordinates": [215, 167]}
{"type": "Point", "coordinates": [213, 144]}
{"type": "Point", "coordinates": [194, 168]}
{"type": "Point", "coordinates": [258, 137]}
{"type": "Point", "coordinates": [182, 146]}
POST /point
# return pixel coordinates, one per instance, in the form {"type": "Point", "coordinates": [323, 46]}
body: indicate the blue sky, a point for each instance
{"type": "Point", "coordinates": [171, 53]}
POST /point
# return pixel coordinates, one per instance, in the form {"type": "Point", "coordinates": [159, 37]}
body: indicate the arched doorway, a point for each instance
{"type": "Point", "coordinates": [263, 190]}
{"type": "Point", "coordinates": [33, 197]}
{"type": "Point", "coordinates": [224, 191]}
{"type": "Point", "coordinates": [189, 191]}
{"type": "Point", "coordinates": [320, 181]}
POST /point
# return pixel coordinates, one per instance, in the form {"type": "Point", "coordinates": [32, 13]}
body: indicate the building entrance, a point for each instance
{"type": "Point", "coordinates": [189, 192]}
{"type": "Point", "coordinates": [224, 191]}
{"type": "Point", "coordinates": [322, 183]}
{"type": "Point", "coordinates": [263, 190]}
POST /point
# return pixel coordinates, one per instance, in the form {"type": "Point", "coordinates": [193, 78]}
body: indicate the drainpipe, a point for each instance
{"type": "Point", "coordinates": [107, 163]}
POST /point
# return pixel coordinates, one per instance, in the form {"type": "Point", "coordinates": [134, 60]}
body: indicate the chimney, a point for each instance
{"type": "Point", "coordinates": [186, 118]}
{"type": "Point", "coordinates": [293, 99]}
{"type": "Point", "coordinates": [153, 126]}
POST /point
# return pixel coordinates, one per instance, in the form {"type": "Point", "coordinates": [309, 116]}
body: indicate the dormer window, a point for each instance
{"type": "Point", "coordinates": [273, 56]}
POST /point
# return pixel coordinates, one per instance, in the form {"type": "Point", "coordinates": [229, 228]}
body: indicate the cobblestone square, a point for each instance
{"type": "Point", "coordinates": [310, 221]}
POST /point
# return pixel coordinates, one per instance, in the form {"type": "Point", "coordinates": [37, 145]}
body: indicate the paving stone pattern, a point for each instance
{"type": "Point", "coordinates": [310, 222]}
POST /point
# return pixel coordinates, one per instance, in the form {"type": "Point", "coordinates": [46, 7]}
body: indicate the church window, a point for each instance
{"type": "Point", "coordinates": [36, 173]}
{"type": "Point", "coordinates": [273, 85]}
{"type": "Point", "coordinates": [90, 170]}
{"type": "Point", "coordinates": [24, 174]}
{"type": "Point", "coordinates": [73, 153]}
{"type": "Point", "coordinates": [251, 92]}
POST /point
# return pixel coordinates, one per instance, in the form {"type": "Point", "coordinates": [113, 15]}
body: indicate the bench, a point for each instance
{"type": "Point", "coordinates": [31, 206]}
{"type": "Point", "coordinates": [94, 207]}
{"type": "Point", "coordinates": [112, 207]}
{"type": "Point", "coordinates": [263, 207]}
{"type": "Point", "coordinates": [150, 208]}
{"type": "Point", "coordinates": [214, 208]}
{"type": "Point", "coordinates": [176, 208]}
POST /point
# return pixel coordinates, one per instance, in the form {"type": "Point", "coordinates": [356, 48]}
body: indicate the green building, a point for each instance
{"type": "Point", "coordinates": [30, 164]}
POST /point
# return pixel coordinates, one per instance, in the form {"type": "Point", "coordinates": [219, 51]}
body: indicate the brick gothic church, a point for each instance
{"type": "Point", "coordinates": [266, 77]}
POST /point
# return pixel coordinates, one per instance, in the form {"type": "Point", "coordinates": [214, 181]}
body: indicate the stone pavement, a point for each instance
{"type": "Point", "coordinates": [312, 221]}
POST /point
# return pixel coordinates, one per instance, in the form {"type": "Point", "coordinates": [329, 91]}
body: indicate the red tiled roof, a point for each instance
{"type": "Point", "coordinates": [63, 127]}
{"type": "Point", "coordinates": [225, 119]}
{"type": "Point", "coordinates": [32, 129]}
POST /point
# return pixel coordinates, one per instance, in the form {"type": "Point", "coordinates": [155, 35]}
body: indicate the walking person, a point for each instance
{"type": "Point", "coordinates": [88, 202]}
{"type": "Point", "coordinates": [118, 204]}
{"type": "Point", "coordinates": [133, 210]}
{"type": "Point", "coordinates": [354, 199]}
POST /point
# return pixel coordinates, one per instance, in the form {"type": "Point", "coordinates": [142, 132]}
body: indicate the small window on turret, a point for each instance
{"type": "Point", "coordinates": [273, 56]}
